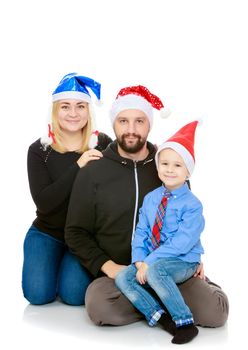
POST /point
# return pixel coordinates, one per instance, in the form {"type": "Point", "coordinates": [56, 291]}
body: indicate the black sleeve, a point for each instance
{"type": "Point", "coordinates": [79, 229]}
{"type": "Point", "coordinates": [48, 195]}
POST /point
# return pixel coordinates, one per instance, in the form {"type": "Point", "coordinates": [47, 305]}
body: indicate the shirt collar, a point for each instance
{"type": "Point", "coordinates": [177, 192]}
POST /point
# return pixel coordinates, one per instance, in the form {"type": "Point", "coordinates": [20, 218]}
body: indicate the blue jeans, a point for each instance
{"type": "Point", "coordinates": [50, 270]}
{"type": "Point", "coordinates": [162, 277]}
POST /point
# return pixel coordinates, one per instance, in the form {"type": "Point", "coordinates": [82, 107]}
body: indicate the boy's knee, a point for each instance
{"type": "Point", "coordinates": [121, 279]}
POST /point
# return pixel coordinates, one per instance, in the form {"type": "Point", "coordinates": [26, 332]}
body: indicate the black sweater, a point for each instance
{"type": "Point", "coordinates": [102, 211]}
{"type": "Point", "coordinates": [51, 175]}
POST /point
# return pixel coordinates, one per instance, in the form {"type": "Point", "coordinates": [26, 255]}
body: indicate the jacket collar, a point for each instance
{"type": "Point", "coordinates": [111, 152]}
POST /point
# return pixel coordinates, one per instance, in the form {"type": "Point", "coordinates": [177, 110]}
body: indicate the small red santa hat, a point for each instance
{"type": "Point", "coordinates": [137, 97]}
{"type": "Point", "coordinates": [183, 143]}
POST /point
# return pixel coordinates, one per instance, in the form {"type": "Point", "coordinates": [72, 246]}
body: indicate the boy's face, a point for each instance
{"type": "Point", "coordinates": [171, 169]}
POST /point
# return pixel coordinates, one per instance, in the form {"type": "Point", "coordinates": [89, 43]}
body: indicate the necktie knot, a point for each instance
{"type": "Point", "coordinates": [166, 193]}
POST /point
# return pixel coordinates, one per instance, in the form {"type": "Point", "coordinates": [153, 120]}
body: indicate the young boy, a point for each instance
{"type": "Point", "coordinates": [166, 247]}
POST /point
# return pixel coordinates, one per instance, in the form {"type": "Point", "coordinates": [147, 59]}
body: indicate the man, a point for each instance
{"type": "Point", "coordinates": [103, 212]}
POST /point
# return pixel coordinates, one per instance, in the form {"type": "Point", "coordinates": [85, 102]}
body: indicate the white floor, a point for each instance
{"type": "Point", "coordinates": [71, 322]}
{"type": "Point", "coordinates": [56, 324]}
{"type": "Point", "coordinates": [68, 327]}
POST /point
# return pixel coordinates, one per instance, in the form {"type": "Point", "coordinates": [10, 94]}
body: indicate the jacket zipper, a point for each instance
{"type": "Point", "coordinates": [136, 197]}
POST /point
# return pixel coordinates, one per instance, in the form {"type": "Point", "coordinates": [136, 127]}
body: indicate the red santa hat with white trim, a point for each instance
{"type": "Point", "coordinates": [183, 143]}
{"type": "Point", "coordinates": [137, 97]}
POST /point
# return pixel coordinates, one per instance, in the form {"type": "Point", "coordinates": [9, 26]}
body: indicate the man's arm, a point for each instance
{"type": "Point", "coordinates": [80, 223]}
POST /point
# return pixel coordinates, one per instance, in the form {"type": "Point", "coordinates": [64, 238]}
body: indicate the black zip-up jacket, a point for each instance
{"type": "Point", "coordinates": [104, 204]}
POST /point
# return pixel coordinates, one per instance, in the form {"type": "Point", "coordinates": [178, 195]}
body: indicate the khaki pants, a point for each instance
{"type": "Point", "coordinates": [107, 306]}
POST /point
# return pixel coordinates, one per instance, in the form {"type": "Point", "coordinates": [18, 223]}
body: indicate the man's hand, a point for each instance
{"type": "Point", "coordinates": [111, 269]}
{"type": "Point", "coordinates": [200, 272]}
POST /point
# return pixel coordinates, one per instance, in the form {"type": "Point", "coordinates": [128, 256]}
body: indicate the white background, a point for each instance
{"type": "Point", "coordinates": [193, 55]}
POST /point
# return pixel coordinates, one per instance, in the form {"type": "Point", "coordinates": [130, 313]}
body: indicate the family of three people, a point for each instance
{"type": "Point", "coordinates": [85, 245]}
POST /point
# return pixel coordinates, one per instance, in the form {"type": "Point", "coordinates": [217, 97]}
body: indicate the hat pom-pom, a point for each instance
{"type": "Point", "coordinates": [93, 141]}
{"type": "Point", "coordinates": [49, 138]}
{"type": "Point", "coordinates": [46, 141]}
{"type": "Point", "coordinates": [200, 121]}
{"type": "Point", "coordinates": [165, 112]}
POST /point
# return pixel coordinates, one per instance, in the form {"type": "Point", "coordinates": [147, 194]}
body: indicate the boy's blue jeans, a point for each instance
{"type": "Point", "coordinates": [50, 270]}
{"type": "Point", "coordinates": [162, 277]}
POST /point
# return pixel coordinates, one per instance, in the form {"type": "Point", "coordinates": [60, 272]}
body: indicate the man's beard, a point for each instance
{"type": "Point", "coordinates": [135, 147]}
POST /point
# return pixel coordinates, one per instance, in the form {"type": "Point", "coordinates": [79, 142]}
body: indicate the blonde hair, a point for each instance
{"type": "Point", "coordinates": [86, 131]}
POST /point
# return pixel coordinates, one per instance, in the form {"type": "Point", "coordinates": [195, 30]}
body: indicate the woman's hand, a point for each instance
{"type": "Point", "coordinates": [88, 156]}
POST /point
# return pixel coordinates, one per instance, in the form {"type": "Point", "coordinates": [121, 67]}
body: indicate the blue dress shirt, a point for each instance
{"type": "Point", "coordinates": [182, 226]}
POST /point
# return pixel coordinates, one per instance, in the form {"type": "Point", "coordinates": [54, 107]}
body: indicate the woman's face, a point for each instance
{"type": "Point", "coordinates": [72, 114]}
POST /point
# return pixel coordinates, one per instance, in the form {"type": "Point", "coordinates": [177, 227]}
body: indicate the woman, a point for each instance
{"type": "Point", "coordinates": [49, 269]}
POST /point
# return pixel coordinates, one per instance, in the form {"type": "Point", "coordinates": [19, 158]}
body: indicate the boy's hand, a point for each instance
{"type": "Point", "coordinates": [141, 273]}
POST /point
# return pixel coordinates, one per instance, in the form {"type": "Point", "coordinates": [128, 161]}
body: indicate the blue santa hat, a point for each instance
{"type": "Point", "coordinates": [75, 86]}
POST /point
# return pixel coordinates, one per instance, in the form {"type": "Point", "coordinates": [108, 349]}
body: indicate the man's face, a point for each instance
{"type": "Point", "coordinates": [131, 128]}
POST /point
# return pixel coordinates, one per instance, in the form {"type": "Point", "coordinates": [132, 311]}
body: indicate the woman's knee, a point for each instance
{"type": "Point", "coordinates": [38, 296]}
{"type": "Point", "coordinates": [73, 294]}
{"type": "Point", "coordinates": [73, 281]}
{"type": "Point", "coordinates": [42, 256]}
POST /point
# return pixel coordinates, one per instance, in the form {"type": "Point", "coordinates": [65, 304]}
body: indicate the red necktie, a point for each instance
{"type": "Point", "coordinates": [159, 219]}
